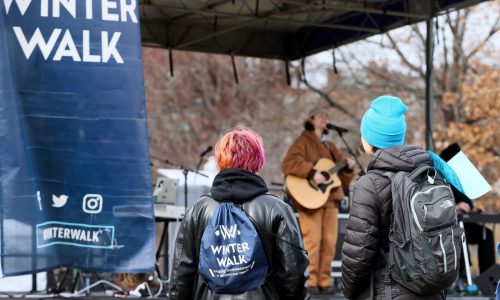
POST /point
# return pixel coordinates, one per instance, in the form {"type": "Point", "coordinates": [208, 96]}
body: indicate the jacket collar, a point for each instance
{"type": "Point", "coordinates": [400, 158]}
{"type": "Point", "coordinates": [320, 147]}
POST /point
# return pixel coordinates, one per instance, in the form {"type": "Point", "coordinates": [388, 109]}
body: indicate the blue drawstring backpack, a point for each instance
{"type": "Point", "coordinates": [232, 259]}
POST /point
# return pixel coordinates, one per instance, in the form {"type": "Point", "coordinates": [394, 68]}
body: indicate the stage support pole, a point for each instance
{"type": "Point", "coordinates": [429, 79]}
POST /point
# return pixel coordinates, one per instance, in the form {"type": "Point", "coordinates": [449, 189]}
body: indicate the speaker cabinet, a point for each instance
{"type": "Point", "coordinates": [487, 281]}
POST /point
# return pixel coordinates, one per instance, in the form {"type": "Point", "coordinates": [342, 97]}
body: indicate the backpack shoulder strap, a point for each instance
{"type": "Point", "coordinates": [423, 168]}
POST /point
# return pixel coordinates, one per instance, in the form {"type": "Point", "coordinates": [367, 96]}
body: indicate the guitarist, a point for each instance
{"type": "Point", "coordinates": [319, 226]}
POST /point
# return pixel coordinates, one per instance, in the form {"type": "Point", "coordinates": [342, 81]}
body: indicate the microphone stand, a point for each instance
{"type": "Point", "coordinates": [202, 155]}
{"type": "Point", "coordinates": [198, 165]}
{"type": "Point", "coordinates": [341, 134]}
{"type": "Point", "coordinates": [185, 171]}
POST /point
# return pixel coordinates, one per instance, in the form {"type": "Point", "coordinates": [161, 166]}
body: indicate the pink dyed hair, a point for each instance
{"type": "Point", "coordinates": [240, 148]}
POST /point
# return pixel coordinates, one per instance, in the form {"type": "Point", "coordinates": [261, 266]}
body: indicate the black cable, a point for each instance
{"type": "Point", "coordinates": [287, 72]}
{"type": "Point", "coordinates": [334, 61]}
{"type": "Point", "coordinates": [235, 72]}
{"type": "Point", "coordinates": [171, 61]}
{"type": "Point", "coordinates": [437, 30]}
{"type": "Point", "coordinates": [303, 67]}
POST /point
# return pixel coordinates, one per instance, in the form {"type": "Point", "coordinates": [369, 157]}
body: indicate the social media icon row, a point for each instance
{"type": "Point", "coordinates": [92, 203]}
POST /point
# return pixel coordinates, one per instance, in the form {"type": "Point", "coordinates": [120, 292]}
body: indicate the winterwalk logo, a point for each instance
{"type": "Point", "coordinates": [228, 232]}
{"type": "Point", "coordinates": [232, 254]}
{"type": "Point", "coordinates": [75, 234]}
{"type": "Point", "coordinates": [60, 43]}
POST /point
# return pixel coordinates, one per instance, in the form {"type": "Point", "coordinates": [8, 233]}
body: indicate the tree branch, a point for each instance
{"type": "Point", "coordinates": [494, 29]}
{"type": "Point", "coordinates": [444, 80]}
{"type": "Point", "coordinates": [327, 97]}
{"type": "Point", "coordinates": [390, 82]}
{"type": "Point", "coordinates": [416, 29]}
{"type": "Point", "coordinates": [403, 57]}
{"type": "Point", "coordinates": [331, 102]}
{"type": "Point", "coordinates": [351, 70]}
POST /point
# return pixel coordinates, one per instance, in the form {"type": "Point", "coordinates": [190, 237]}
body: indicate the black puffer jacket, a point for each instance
{"type": "Point", "coordinates": [367, 231]}
{"type": "Point", "coordinates": [287, 262]}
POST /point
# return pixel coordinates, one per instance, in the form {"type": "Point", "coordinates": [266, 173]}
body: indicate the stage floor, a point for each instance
{"type": "Point", "coordinates": [447, 298]}
{"type": "Point", "coordinates": [101, 297]}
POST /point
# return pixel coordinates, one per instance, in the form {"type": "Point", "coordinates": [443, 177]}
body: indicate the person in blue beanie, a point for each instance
{"type": "Point", "coordinates": [366, 242]}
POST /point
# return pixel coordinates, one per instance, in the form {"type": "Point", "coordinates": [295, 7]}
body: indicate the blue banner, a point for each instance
{"type": "Point", "coordinates": [74, 158]}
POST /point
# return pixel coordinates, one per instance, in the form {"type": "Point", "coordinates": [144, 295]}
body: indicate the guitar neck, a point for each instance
{"type": "Point", "coordinates": [338, 167]}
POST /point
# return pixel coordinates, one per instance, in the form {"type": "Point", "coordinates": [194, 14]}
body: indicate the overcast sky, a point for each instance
{"type": "Point", "coordinates": [478, 27]}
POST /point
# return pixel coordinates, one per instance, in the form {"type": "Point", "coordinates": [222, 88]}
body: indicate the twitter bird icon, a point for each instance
{"type": "Point", "coordinates": [59, 201]}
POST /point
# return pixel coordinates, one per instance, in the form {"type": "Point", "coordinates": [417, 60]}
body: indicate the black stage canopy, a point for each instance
{"type": "Point", "coordinates": [278, 29]}
{"type": "Point", "coordinates": [288, 29]}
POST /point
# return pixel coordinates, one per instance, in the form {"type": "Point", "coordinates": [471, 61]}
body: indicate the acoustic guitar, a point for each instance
{"type": "Point", "coordinates": [309, 194]}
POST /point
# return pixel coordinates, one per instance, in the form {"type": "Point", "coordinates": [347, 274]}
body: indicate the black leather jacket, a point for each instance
{"type": "Point", "coordinates": [287, 262]}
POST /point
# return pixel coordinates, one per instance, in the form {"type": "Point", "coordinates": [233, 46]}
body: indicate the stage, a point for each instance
{"type": "Point", "coordinates": [447, 298]}
{"type": "Point", "coordinates": [40, 296]}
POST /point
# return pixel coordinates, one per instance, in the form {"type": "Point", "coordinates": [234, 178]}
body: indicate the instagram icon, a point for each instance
{"type": "Point", "coordinates": [92, 203]}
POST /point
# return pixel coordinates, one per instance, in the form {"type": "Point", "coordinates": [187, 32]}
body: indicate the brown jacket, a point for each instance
{"type": "Point", "coordinates": [305, 151]}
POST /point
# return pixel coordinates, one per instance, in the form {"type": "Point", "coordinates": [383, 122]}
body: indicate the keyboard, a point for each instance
{"type": "Point", "coordinates": [480, 218]}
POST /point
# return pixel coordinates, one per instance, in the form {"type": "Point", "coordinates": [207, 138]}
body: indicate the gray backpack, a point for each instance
{"type": "Point", "coordinates": [424, 235]}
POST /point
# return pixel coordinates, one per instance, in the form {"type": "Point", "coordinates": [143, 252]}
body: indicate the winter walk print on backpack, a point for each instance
{"type": "Point", "coordinates": [232, 259]}
{"type": "Point", "coordinates": [425, 238]}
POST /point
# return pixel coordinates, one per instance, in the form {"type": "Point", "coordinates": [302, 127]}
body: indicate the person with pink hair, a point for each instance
{"type": "Point", "coordinates": [240, 156]}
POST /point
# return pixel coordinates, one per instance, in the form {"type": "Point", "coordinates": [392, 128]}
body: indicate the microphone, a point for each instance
{"type": "Point", "coordinates": [336, 128]}
{"type": "Point", "coordinates": [209, 148]}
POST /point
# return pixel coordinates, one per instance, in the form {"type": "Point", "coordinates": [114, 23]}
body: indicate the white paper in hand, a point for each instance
{"type": "Point", "coordinates": [473, 183]}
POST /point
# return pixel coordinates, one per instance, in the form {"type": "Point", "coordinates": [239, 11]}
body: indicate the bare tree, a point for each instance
{"type": "Point", "coordinates": [192, 109]}
{"type": "Point", "coordinates": [453, 66]}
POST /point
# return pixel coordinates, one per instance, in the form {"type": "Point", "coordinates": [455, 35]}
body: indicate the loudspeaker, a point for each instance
{"type": "Point", "coordinates": [487, 281]}
{"type": "Point", "coordinates": [336, 263]}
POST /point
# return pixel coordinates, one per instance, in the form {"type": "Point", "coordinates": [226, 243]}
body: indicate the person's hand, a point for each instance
{"type": "Point", "coordinates": [476, 210]}
{"type": "Point", "coordinates": [350, 162]}
{"type": "Point", "coordinates": [319, 178]}
{"type": "Point", "coordinates": [463, 207]}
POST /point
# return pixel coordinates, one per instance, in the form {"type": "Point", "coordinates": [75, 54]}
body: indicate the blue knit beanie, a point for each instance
{"type": "Point", "coordinates": [383, 124]}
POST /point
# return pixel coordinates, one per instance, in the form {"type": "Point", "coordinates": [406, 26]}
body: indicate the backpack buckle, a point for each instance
{"type": "Point", "coordinates": [387, 278]}
{"type": "Point", "coordinates": [429, 178]}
